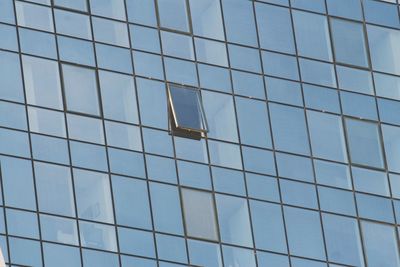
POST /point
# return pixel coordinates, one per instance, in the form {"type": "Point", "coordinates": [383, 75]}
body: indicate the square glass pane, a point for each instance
{"type": "Point", "coordinates": [173, 14]}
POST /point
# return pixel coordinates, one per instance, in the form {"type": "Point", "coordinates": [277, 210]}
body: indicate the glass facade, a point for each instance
{"type": "Point", "coordinates": [296, 160]}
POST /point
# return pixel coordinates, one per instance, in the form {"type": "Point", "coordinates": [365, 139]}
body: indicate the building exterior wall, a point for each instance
{"type": "Point", "coordinates": [300, 166]}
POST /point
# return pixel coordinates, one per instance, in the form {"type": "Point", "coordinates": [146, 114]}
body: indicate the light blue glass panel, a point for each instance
{"type": "Point", "coordinates": [387, 85]}
{"type": "Point", "coordinates": [349, 42]}
{"type": "Point", "coordinates": [136, 242]}
{"type": "Point", "coordinates": [395, 185]}
{"type": "Point", "coordinates": [216, 78]}
{"type": "Point", "coordinates": [118, 97]}
{"type": "Point", "coordinates": [375, 208]}
{"type": "Point", "coordinates": [360, 106]}
{"type": "Point", "coordinates": [54, 189]}
{"type": "Point", "coordinates": [228, 181]}
{"type": "Point", "coordinates": [342, 239]}
{"type": "Point", "coordinates": [238, 256]}
{"type": "Point", "coordinates": [289, 129]}
{"type": "Point", "coordinates": [157, 142]}
{"type": "Point", "coordinates": [148, 65]}
{"type": "Point", "coordinates": [131, 202]}
{"type": "Point", "coordinates": [42, 82]}
{"type": "Point", "coordinates": [258, 160]}
{"type": "Point", "coordinates": [268, 226]}
{"type": "Point", "coordinates": [10, 77]}
{"type": "Point", "coordinates": [355, 80]}
{"type": "Point", "coordinates": [295, 167]}
{"type": "Point", "coordinates": [194, 150]}
{"type": "Point", "coordinates": [239, 22]}
{"type": "Point", "coordinates": [108, 8]}
{"type": "Point", "coordinates": [381, 13]}
{"type": "Point", "coordinates": [311, 29]}
{"type": "Point", "coordinates": [391, 137]}
{"type": "Point", "coordinates": [332, 174]}
{"type": "Point", "coordinates": [126, 162]}
{"type": "Point", "coordinates": [14, 143]}
{"type": "Point", "coordinates": [18, 181]}
{"type": "Point", "coordinates": [22, 223]}
{"type": "Point", "coordinates": [385, 54]}
{"type": "Point", "coordinates": [388, 110]}
{"type": "Point", "coordinates": [161, 169]}
{"type": "Point", "coordinates": [253, 122]}
{"type": "Point", "coordinates": [171, 248]}
{"type": "Point", "coordinates": [279, 65]}
{"type": "Point", "coordinates": [80, 87]}
{"type": "Point", "coordinates": [297, 262]}
{"type": "Point", "coordinates": [225, 154]}
{"type": "Point", "coordinates": [61, 256]}
{"type": "Point", "coordinates": [50, 149]}
{"type": "Point", "coordinates": [220, 114]}
{"type": "Point", "coordinates": [141, 11]}
{"type": "Point", "coordinates": [317, 72]}
{"type": "Point", "coordinates": [284, 91]}
{"type": "Point", "coordinates": [234, 221]}
{"type": "Point", "coordinates": [92, 258]}
{"type": "Point", "coordinates": [34, 16]}
{"type": "Point", "coordinates": [166, 208]}
{"type": "Point", "coordinates": [363, 140]}
{"type": "Point", "coordinates": [337, 201]}
{"type": "Point", "coordinates": [73, 4]}
{"type": "Point", "coordinates": [46, 121]}
{"type": "Point", "coordinates": [180, 71]}
{"type": "Point", "coordinates": [25, 252]}
{"type": "Point", "coordinates": [7, 12]}
{"type": "Point", "coordinates": [93, 196]}
{"type": "Point", "coordinates": [96, 235]}
{"type": "Point", "coordinates": [370, 181]}
{"type": "Point", "coordinates": [73, 24]}
{"type": "Point", "coordinates": [177, 45]}
{"type": "Point", "coordinates": [275, 28]}
{"type": "Point", "coordinates": [207, 19]}
{"type": "Point", "coordinates": [58, 229]}
{"type": "Point", "coordinates": [113, 58]}
{"type": "Point", "coordinates": [304, 233]}
{"type": "Point", "coordinates": [298, 194]}
{"type": "Point", "coordinates": [76, 51]}
{"type": "Point", "coordinates": [173, 14]}
{"type": "Point", "coordinates": [272, 259]}
{"type": "Point", "coordinates": [8, 37]}
{"type": "Point", "coordinates": [248, 84]}
{"type": "Point", "coordinates": [85, 129]}
{"type": "Point", "coordinates": [326, 134]}
{"type": "Point", "coordinates": [350, 9]}
{"type": "Point", "coordinates": [88, 156]}
{"type": "Point", "coordinates": [244, 58]}
{"type": "Point", "coordinates": [111, 32]}
{"type": "Point", "coordinates": [128, 261]}
{"type": "Point", "coordinates": [194, 175]}
{"type": "Point", "coordinates": [204, 253]}
{"type": "Point", "coordinates": [262, 187]}
{"type": "Point", "coordinates": [13, 115]}
{"type": "Point", "coordinates": [321, 98]}
{"type": "Point", "coordinates": [211, 52]}
{"type": "Point", "coordinates": [123, 135]}
{"type": "Point", "coordinates": [380, 244]}
{"type": "Point", "coordinates": [144, 38]}
{"type": "Point", "coordinates": [315, 5]}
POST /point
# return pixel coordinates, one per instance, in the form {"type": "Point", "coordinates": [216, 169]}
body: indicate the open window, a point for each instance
{"type": "Point", "coordinates": [186, 113]}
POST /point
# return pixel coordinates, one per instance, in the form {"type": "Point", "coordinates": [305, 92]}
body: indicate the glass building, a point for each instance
{"type": "Point", "coordinates": [214, 133]}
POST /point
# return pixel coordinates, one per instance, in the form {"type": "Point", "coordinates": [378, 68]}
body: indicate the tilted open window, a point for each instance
{"type": "Point", "coordinates": [186, 112]}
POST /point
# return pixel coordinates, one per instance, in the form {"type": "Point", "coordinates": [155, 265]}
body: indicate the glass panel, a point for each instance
{"type": "Point", "coordinates": [207, 19]}
{"type": "Point", "coordinates": [46, 121]}
{"type": "Point", "coordinates": [108, 8]}
{"type": "Point", "coordinates": [85, 129]}
{"type": "Point", "coordinates": [141, 11]}
{"type": "Point", "coordinates": [173, 14]}
{"type": "Point", "coordinates": [22, 223]}
{"type": "Point", "coordinates": [74, 24]}
{"type": "Point", "coordinates": [25, 252]}
{"type": "Point", "coordinates": [225, 154]}
{"type": "Point", "coordinates": [363, 140]}
{"type": "Point", "coordinates": [113, 58]}
{"type": "Point", "coordinates": [234, 256]}
{"type": "Point", "coordinates": [58, 229]}
{"type": "Point", "coordinates": [199, 213]}
{"type": "Point", "coordinates": [34, 16]}
{"type": "Point", "coordinates": [349, 42]}
{"type": "Point", "coordinates": [61, 256]}
{"type": "Point", "coordinates": [350, 9]}
{"type": "Point", "coordinates": [80, 87]}
{"type": "Point", "coordinates": [391, 137]}
{"type": "Point", "coordinates": [204, 253]}
{"type": "Point", "coordinates": [186, 107]}
{"type": "Point", "coordinates": [74, 4]}
{"type": "Point", "coordinates": [42, 82]}
{"type": "Point", "coordinates": [10, 77]}
{"type": "Point", "coordinates": [332, 174]}
{"type": "Point", "coordinates": [96, 235]}
{"type": "Point", "coordinates": [136, 242]}
{"type": "Point", "coordinates": [38, 43]}
{"type": "Point", "coordinates": [76, 51]}
{"type": "Point", "coordinates": [171, 248]}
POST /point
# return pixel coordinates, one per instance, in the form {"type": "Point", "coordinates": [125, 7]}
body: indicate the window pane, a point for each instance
{"type": "Point", "coordinates": [173, 14]}
{"type": "Point", "coordinates": [96, 235]}
{"type": "Point", "coordinates": [85, 129]}
{"type": "Point", "coordinates": [61, 256]}
{"type": "Point", "coordinates": [108, 8]}
{"type": "Point", "coordinates": [74, 4]}
{"type": "Point", "coordinates": [312, 29]}
{"type": "Point", "coordinates": [10, 77]}
{"type": "Point", "coordinates": [42, 82]}
{"type": "Point", "coordinates": [204, 253]}
{"type": "Point", "coordinates": [34, 16]}
{"type": "Point", "coordinates": [71, 23]}
{"type": "Point", "coordinates": [207, 19]}
{"type": "Point", "coordinates": [46, 121]}
{"type": "Point", "coordinates": [364, 143]}
{"type": "Point", "coordinates": [233, 218]}
{"type": "Point", "coordinates": [391, 137]}
{"type": "Point", "coordinates": [199, 213]}
{"type": "Point", "coordinates": [76, 51]}
{"type": "Point", "coordinates": [112, 32]}
{"type": "Point", "coordinates": [141, 11]}
{"type": "Point", "coordinates": [80, 87]}
{"type": "Point", "coordinates": [58, 229]}
{"type": "Point", "coordinates": [348, 41]}
{"type": "Point", "coordinates": [93, 196]}
{"type": "Point", "coordinates": [38, 43]}
{"type": "Point", "coordinates": [185, 104]}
